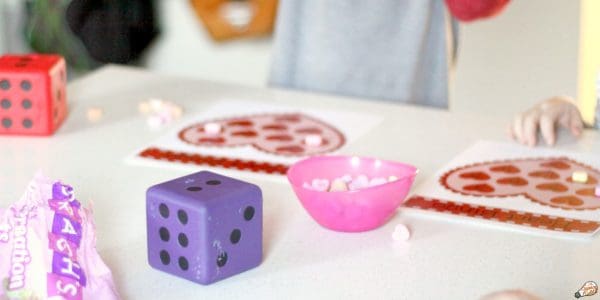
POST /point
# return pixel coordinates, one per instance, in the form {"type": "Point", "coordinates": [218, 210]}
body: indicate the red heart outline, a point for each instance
{"type": "Point", "coordinates": [444, 179]}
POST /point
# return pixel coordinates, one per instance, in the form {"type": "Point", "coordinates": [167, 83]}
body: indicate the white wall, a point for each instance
{"type": "Point", "coordinates": [184, 48]}
{"type": "Point", "coordinates": [524, 55]}
{"type": "Point", "coordinates": [12, 18]}
{"type": "Point", "coordinates": [505, 64]}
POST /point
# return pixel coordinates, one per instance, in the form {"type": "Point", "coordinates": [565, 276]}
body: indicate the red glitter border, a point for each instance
{"type": "Point", "coordinates": [500, 215]}
{"type": "Point", "coordinates": [214, 161]}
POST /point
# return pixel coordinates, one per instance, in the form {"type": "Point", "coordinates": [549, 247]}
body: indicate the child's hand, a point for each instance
{"type": "Point", "coordinates": [546, 115]}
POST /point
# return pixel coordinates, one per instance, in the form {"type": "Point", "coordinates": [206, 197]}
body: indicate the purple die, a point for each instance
{"type": "Point", "coordinates": [204, 227]}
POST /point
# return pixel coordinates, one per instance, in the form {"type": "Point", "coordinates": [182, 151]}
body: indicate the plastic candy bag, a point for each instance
{"type": "Point", "coordinates": [48, 247]}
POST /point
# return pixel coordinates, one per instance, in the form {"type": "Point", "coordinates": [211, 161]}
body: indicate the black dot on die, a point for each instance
{"type": "Point", "coordinates": [222, 259]}
{"type": "Point", "coordinates": [182, 216]}
{"type": "Point", "coordinates": [6, 123]}
{"type": "Point", "coordinates": [27, 123]}
{"type": "Point", "coordinates": [164, 210]}
{"type": "Point", "coordinates": [183, 240]}
{"type": "Point", "coordinates": [26, 85]}
{"type": "Point", "coordinates": [26, 104]}
{"type": "Point", "coordinates": [4, 84]}
{"type": "Point", "coordinates": [20, 64]}
{"type": "Point", "coordinates": [164, 234]}
{"type": "Point", "coordinates": [235, 236]}
{"type": "Point", "coordinates": [194, 188]}
{"type": "Point", "coordinates": [249, 213]}
{"type": "Point", "coordinates": [58, 95]}
{"type": "Point", "coordinates": [183, 263]}
{"type": "Point", "coordinates": [213, 182]}
{"type": "Point", "coordinates": [5, 103]}
{"type": "Point", "coordinates": [165, 258]}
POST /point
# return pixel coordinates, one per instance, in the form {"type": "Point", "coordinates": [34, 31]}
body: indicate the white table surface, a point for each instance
{"type": "Point", "coordinates": [443, 260]}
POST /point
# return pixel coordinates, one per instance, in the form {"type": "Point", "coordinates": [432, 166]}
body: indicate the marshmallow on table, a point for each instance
{"type": "Point", "coordinates": [155, 121]}
{"type": "Point", "coordinates": [176, 110]}
{"type": "Point", "coordinates": [597, 191]}
{"type": "Point", "coordinates": [401, 233]}
{"type": "Point", "coordinates": [144, 107]}
{"type": "Point", "coordinates": [156, 104]}
{"type": "Point", "coordinates": [165, 116]}
{"type": "Point", "coordinates": [94, 114]}
{"type": "Point", "coordinates": [579, 176]}
{"type": "Point", "coordinates": [159, 112]}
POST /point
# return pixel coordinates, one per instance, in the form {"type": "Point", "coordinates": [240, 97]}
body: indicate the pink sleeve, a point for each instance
{"type": "Point", "coordinates": [471, 10]}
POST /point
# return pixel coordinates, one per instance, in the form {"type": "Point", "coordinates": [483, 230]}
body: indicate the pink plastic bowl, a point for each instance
{"type": "Point", "coordinates": [351, 211]}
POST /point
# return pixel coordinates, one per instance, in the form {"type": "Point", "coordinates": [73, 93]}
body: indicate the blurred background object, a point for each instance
{"type": "Point", "coordinates": [46, 31]}
{"type": "Point", "coordinates": [186, 48]}
{"type": "Point", "coordinates": [494, 64]}
{"type": "Point", "coordinates": [88, 33]}
{"type": "Point", "coordinates": [229, 19]}
{"type": "Point", "coordinates": [469, 10]}
{"type": "Point", "coordinates": [589, 58]}
{"type": "Point", "coordinates": [113, 31]}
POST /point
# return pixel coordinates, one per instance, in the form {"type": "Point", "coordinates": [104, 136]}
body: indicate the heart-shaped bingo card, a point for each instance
{"type": "Point", "coordinates": [255, 137]}
{"type": "Point", "coordinates": [284, 134]}
{"type": "Point", "coordinates": [546, 181]}
{"type": "Point", "coordinates": [517, 187]}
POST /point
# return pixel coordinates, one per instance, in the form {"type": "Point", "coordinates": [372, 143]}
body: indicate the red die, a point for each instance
{"type": "Point", "coordinates": [32, 94]}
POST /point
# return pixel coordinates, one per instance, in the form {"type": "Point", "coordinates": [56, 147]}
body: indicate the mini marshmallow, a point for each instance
{"type": "Point", "coordinates": [155, 122]}
{"type": "Point", "coordinates": [401, 233]}
{"type": "Point", "coordinates": [212, 128]}
{"type": "Point", "coordinates": [362, 178]}
{"type": "Point", "coordinates": [94, 114]}
{"type": "Point", "coordinates": [176, 111]}
{"type": "Point", "coordinates": [346, 178]}
{"type": "Point", "coordinates": [165, 116]}
{"type": "Point", "coordinates": [320, 184]}
{"type": "Point", "coordinates": [338, 185]}
{"type": "Point", "coordinates": [579, 176]}
{"type": "Point", "coordinates": [313, 140]}
{"type": "Point", "coordinates": [144, 107]}
{"type": "Point", "coordinates": [156, 104]}
{"type": "Point", "coordinates": [377, 181]}
{"type": "Point", "coordinates": [359, 182]}
{"type": "Point", "coordinates": [597, 191]}
{"type": "Point", "coordinates": [159, 112]}
{"type": "Point", "coordinates": [392, 178]}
